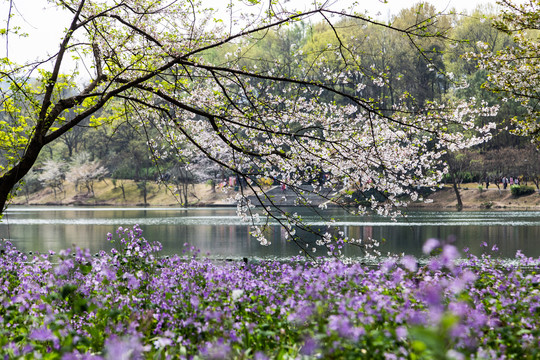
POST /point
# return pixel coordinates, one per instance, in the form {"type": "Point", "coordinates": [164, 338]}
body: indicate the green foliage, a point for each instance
{"type": "Point", "coordinates": [464, 176]}
{"type": "Point", "coordinates": [521, 190]}
{"type": "Point", "coordinates": [487, 205]}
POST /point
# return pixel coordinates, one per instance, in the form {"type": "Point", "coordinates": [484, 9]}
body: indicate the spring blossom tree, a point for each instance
{"type": "Point", "coordinates": [514, 71]}
{"type": "Point", "coordinates": [173, 67]}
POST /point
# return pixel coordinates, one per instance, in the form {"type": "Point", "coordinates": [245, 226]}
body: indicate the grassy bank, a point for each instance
{"type": "Point", "coordinates": [474, 199]}
{"type": "Point", "coordinates": [124, 193]}
{"type": "Point", "coordinates": [110, 193]}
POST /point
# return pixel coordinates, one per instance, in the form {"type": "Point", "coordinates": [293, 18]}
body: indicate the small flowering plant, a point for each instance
{"type": "Point", "coordinates": [132, 304]}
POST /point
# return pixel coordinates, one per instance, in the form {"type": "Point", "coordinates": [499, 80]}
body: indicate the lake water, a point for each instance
{"type": "Point", "coordinates": [220, 233]}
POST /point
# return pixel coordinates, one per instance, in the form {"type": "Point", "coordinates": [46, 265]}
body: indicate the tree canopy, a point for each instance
{"type": "Point", "coordinates": [513, 72]}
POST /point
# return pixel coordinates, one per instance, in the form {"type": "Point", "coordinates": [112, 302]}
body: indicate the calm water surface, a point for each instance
{"type": "Point", "coordinates": [218, 232]}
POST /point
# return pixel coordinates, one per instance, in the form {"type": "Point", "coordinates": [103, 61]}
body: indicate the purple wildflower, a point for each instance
{"type": "Point", "coordinates": [132, 281]}
{"type": "Point", "coordinates": [216, 351]}
{"type": "Point", "coordinates": [64, 267]}
{"type": "Point", "coordinates": [260, 356]}
{"type": "Point", "coordinates": [432, 295]}
{"type": "Point", "coordinates": [120, 348]}
{"type": "Point", "coordinates": [302, 311]}
{"type": "Point", "coordinates": [310, 347]}
{"type": "Point", "coordinates": [108, 273]}
{"type": "Point", "coordinates": [342, 325]}
{"type": "Point", "coordinates": [78, 356]}
{"type": "Point", "coordinates": [449, 255]}
{"type": "Point", "coordinates": [387, 265]}
{"type": "Point", "coordinates": [410, 263]}
{"type": "Point", "coordinates": [194, 301]}
{"type": "Point", "coordinates": [401, 332]}
{"type": "Point", "coordinates": [430, 245]}
{"type": "Point", "coordinates": [162, 342]}
{"type": "Point", "coordinates": [42, 334]}
{"type": "Point", "coordinates": [454, 355]}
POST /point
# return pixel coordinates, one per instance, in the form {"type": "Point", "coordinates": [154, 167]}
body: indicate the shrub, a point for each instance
{"type": "Point", "coordinates": [465, 176]}
{"type": "Point", "coordinates": [519, 190]}
{"type": "Point", "coordinates": [487, 204]}
{"type": "Point", "coordinates": [265, 181]}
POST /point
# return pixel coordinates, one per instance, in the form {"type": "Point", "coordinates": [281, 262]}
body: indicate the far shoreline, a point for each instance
{"type": "Point", "coordinates": [202, 195]}
{"type": "Point", "coordinates": [475, 199]}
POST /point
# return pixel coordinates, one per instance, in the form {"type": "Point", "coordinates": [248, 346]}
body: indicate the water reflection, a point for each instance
{"type": "Point", "coordinates": [218, 232]}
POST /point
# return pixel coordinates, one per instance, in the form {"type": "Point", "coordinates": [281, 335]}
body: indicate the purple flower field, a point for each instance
{"type": "Point", "coordinates": [133, 304]}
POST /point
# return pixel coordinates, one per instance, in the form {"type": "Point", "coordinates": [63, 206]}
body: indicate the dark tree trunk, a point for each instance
{"type": "Point", "coordinates": [458, 195]}
{"type": "Point", "coordinates": [186, 196]}
{"type": "Point", "coordinates": [9, 180]}
{"type": "Point", "coordinates": [144, 190]}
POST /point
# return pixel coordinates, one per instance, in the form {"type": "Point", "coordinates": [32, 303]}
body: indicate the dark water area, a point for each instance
{"type": "Point", "coordinates": [221, 234]}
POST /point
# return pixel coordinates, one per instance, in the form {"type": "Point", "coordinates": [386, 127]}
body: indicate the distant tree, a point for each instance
{"type": "Point", "coordinates": [31, 184]}
{"type": "Point", "coordinates": [422, 74]}
{"type": "Point", "coordinates": [72, 139]}
{"type": "Point", "coordinates": [120, 183]}
{"type": "Point", "coordinates": [179, 173]}
{"type": "Point", "coordinates": [53, 175]}
{"type": "Point", "coordinates": [530, 165]}
{"type": "Point", "coordinates": [459, 166]}
{"type": "Point", "coordinates": [143, 188]}
{"type": "Point", "coordinates": [503, 162]}
{"type": "Point", "coordinates": [181, 177]}
{"type": "Point", "coordinates": [84, 171]}
{"type": "Point", "coordinates": [125, 151]}
{"type": "Point", "coordinates": [472, 33]}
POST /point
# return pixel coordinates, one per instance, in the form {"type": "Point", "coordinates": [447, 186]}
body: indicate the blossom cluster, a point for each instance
{"type": "Point", "coordinates": [512, 71]}
{"type": "Point", "coordinates": [344, 155]}
{"type": "Point", "coordinates": [131, 303]}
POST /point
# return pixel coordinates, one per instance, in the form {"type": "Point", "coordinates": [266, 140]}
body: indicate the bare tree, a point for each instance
{"type": "Point", "coordinates": [531, 165]}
